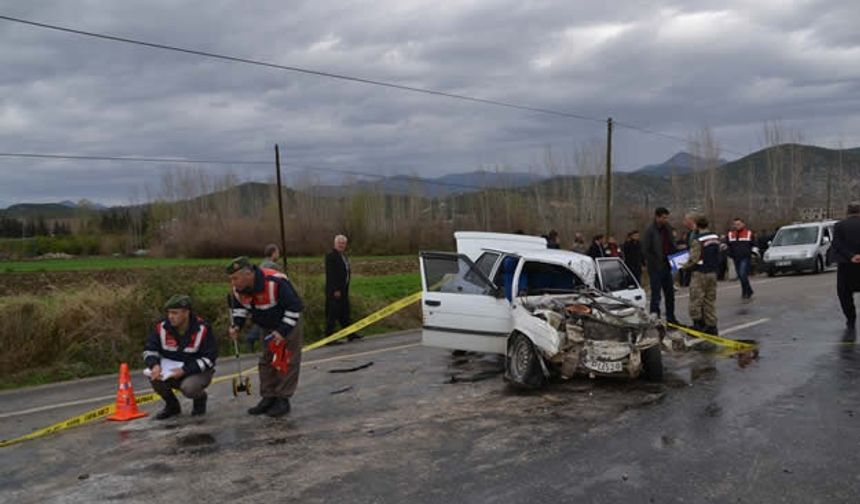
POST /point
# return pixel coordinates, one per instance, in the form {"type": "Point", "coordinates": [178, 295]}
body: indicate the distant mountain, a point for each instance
{"type": "Point", "coordinates": [446, 185]}
{"type": "Point", "coordinates": [62, 210]}
{"type": "Point", "coordinates": [35, 210]}
{"type": "Point", "coordinates": [680, 164]}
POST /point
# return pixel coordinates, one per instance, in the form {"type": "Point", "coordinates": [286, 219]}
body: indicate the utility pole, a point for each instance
{"type": "Point", "coordinates": [280, 207]}
{"type": "Point", "coordinates": [608, 177]}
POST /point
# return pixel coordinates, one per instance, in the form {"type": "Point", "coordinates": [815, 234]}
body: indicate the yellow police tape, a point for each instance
{"type": "Point", "coordinates": [152, 396]}
{"type": "Point", "coordinates": [717, 340]}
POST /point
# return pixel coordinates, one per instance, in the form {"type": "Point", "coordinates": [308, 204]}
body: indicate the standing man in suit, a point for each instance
{"type": "Point", "coordinates": [337, 277]}
{"type": "Point", "coordinates": [846, 253]}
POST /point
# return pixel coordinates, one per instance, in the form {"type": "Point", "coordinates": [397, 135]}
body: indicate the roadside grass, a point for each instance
{"type": "Point", "coordinates": [76, 333]}
{"type": "Point", "coordinates": [107, 263]}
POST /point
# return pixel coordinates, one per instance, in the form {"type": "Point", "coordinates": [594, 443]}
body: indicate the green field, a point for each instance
{"type": "Point", "coordinates": [108, 263]}
{"type": "Point", "coordinates": [102, 324]}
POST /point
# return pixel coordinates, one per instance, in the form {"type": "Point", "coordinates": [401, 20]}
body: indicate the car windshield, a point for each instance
{"type": "Point", "coordinates": [796, 236]}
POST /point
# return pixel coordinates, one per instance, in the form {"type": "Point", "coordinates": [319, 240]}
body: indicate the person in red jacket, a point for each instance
{"type": "Point", "coordinates": [268, 299]}
{"type": "Point", "coordinates": [741, 243]}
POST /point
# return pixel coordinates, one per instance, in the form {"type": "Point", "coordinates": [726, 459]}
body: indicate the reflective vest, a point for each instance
{"type": "Point", "coordinates": [740, 243]}
{"type": "Point", "coordinates": [710, 260]}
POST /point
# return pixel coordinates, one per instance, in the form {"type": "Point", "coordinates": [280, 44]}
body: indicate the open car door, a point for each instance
{"type": "Point", "coordinates": [616, 279]}
{"type": "Point", "coordinates": [462, 308]}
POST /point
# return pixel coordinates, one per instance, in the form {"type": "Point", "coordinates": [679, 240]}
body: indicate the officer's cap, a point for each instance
{"type": "Point", "coordinates": [178, 301]}
{"type": "Point", "coordinates": [238, 264]}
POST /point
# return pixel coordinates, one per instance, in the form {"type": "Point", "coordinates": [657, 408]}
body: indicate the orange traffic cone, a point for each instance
{"type": "Point", "coordinates": [126, 405]}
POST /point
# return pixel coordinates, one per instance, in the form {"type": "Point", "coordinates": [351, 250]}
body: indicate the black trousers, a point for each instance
{"type": "Point", "coordinates": [662, 282]}
{"type": "Point", "coordinates": [336, 311]}
{"type": "Point", "coordinates": [847, 283]}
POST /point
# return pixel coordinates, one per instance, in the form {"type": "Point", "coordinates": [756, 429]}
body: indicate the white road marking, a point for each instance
{"type": "Point", "coordinates": [741, 327]}
{"type": "Point", "coordinates": [249, 371]}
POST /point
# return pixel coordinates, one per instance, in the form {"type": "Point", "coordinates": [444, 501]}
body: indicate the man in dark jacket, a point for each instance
{"type": "Point", "coordinates": [598, 247]}
{"type": "Point", "coordinates": [657, 246]}
{"type": "Point", "coordinates": [846, 253]}
{"type": "Point", "coordinates": [183, 338]}
{"type": "Point", "coordinates": [338, 274]}
{"type": "Point", "coordinates": [268, 298]}
{"type": "Point", "coordinates": [632, 252]}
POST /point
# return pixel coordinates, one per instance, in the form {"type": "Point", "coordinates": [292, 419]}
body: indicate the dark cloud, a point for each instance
{"type": "Point", "coordinates": [669, 66]}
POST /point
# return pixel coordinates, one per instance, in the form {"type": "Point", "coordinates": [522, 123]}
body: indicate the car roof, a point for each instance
{"type": "Point", "coordinates": [809, 224]}
{"type": "Point", "coordinates": [555, 255]}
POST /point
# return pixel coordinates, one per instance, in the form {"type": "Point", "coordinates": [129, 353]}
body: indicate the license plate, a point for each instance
{"type": "Point", "coordinates": [783, 263]}
{"type": "Point", "coordinates": [604, 366]}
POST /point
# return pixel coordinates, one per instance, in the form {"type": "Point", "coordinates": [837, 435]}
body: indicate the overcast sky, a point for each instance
{"type": "Point", "coordinates": [669, 66]}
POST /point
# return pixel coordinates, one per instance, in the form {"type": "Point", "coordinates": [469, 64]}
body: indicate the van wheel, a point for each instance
{"type": "Point", "coordinates": [523, 367]}
{"type": "Point", "coordinates": [652, 364]}
{"type": "Point", "coordinates": [771, 272]}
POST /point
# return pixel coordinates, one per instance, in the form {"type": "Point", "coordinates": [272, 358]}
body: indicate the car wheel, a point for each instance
{"type": "Point", "coordinates": [771, 272]}
{"type": "Point", "coordinates": [652, 364]}
{"type": "Point", "coordinates": [523, 367]}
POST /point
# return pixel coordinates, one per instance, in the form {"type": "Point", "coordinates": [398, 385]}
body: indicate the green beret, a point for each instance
{"type": "Point", "coordinates": [238, 264]}
{"type": "Point", "coordinates": [178, 301]}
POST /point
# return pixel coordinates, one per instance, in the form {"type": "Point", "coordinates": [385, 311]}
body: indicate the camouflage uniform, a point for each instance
{"type": "Point", "coordinates": [704, 262]}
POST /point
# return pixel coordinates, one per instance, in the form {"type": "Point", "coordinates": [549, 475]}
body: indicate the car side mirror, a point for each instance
{"type": "Point", "coordinates": [825, 240]}
{"type": "Point", "coordinates": [769, 243]}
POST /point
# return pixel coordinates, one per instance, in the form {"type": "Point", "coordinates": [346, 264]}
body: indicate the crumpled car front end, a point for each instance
{"type": "Point", "coordinates": [594, 335]}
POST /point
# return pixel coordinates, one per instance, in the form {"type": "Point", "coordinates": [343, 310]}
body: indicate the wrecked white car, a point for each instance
{"type": "Point", "coordinates": [550, 312]}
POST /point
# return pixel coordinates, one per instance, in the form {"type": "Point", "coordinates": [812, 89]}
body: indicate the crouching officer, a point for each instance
{"type": "Point", "coordinates": [268, 298]}
{"type": "Point", "coordinates": [704, 262]}
{"type": "Point", "coordinates": [182, 337]}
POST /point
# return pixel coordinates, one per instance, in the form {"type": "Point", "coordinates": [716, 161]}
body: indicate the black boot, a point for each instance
{"type": "Point", "coordinates": [712, 330]}
{"type": "Point", "coordinates": [280, 408]}
{"type": "Point", "coordinates": [171, 409]}
{"type": "Point", "coordinates": [262, 406]}
{"type": "Point", "coordinates": [199, 406]}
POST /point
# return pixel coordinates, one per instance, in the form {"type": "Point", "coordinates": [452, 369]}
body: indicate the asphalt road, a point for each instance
{"type": "Point", "coordinates": [421, 426]}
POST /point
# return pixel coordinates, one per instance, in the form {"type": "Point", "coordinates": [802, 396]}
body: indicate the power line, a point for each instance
{"type": "Point", "coordinates": [668, 136]}
{"type": "Point", "coordinates": [131, 158]}
{"type": "Point", "coordinates": [320, 73]}
{"type": "Point", "coordinates": [350, 78]}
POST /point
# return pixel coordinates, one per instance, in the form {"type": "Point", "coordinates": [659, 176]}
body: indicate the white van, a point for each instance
{"type": "Point", "coordinates": [800, 247]}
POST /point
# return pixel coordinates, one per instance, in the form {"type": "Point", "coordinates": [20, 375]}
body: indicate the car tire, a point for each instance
{"type": "Point", "coordinates": [652, 364]}
{"type": "Point", "coordinates": [523, 369]}
{"type": "Point", "coordinates": [771, 272]}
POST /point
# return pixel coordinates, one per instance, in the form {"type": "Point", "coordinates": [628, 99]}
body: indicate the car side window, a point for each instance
{"type": "Point", "coordinates": [454, 274]}
{"type": "Point", "coordinates": [615, 276]}
{"type": "Point", "coordinates": [486, 262]}
{"type": "Point", "coordinates": [541, 278]}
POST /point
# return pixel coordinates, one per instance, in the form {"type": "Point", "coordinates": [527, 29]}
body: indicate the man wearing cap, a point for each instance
{"type": "Point", "coordinates": [268, 298]}
{"type": "Point", "coordinates": [704, 262]}
{"type": "Point", "coordinates": [181, 337]}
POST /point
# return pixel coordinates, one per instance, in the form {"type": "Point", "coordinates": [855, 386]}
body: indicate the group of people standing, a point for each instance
{"type": "Point", "coordinates": [652, 250]}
